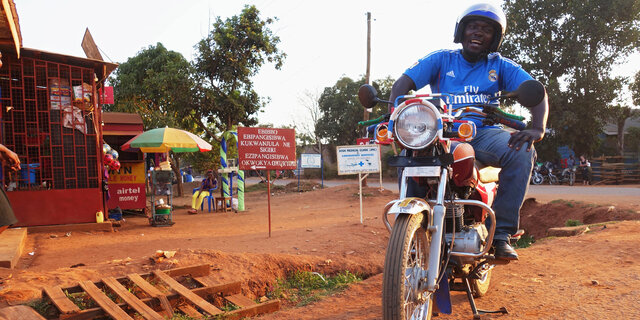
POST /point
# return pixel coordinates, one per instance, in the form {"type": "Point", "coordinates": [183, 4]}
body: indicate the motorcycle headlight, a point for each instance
{"type": "Point", "coordinates": [416, 126]}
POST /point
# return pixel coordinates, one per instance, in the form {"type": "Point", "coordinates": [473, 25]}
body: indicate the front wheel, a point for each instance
{"type": "Point", "coordinates": [405, 266]}
{"type": "Point", "coordinates": [536, 179]}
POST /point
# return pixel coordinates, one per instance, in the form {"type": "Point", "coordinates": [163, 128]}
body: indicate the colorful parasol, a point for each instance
{"type": "Point", "coordinates": [162, 140]}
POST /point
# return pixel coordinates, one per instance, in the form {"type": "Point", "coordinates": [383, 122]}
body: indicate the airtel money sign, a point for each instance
{"type": "Point", "coordinates": [266, 148]}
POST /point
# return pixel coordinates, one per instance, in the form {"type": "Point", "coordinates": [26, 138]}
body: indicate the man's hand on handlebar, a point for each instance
{"type": "Point", "coordinates": [519, 138]}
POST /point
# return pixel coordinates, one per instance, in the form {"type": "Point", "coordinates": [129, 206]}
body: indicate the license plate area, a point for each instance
{"type": "Point", "coordinates": [426, 171]}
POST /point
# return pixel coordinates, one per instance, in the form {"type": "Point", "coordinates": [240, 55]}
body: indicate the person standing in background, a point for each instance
{"type": "Point", "coordinates": [11, 162]}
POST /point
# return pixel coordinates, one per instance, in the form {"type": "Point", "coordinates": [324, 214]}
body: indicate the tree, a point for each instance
{"type": "Point", "coordinates": [571, 50]}
{"type": "Point", "coordinates": [341, 110]}
{"type": "Point", "coordinates": [619, 115]}
{"type": "Point", "coordinates": [156, 84]}
{"type": "Point", "coordinates": [226, 59]}
{"type": "Point", "coordinates": [634, 87]}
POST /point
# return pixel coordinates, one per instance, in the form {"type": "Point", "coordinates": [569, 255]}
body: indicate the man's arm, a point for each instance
{"type": "Point", "coordinates": [9, 158]}
{"type": "Point", "coordinates": [402, 86]}
{"type": "Point", "coordinates": [539, 114]}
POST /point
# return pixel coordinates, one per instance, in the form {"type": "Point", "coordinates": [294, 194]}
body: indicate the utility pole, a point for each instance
{"type": "Point", "coordinates": [367, 76]}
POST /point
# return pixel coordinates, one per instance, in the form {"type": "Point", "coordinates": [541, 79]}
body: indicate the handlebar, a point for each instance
{"type": "Point", "coordinates": [373, 121]}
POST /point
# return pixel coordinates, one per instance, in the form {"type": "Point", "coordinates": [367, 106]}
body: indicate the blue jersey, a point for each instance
{"type": "Point", "coordinates": [447, 71]}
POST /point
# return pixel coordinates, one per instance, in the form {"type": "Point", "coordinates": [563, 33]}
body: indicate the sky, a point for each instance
{"type": "Point", "coordinates": [323, 40]}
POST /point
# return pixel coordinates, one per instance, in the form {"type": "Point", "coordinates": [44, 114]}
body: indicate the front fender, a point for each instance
{"type": "Point", "coordinates": [409, 206]}
{"type": "Point", "coordinates": [405, 206]}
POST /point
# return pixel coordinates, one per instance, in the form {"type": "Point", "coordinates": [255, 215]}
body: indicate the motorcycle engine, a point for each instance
{"type": "Point", "coordinates": [470, 239]}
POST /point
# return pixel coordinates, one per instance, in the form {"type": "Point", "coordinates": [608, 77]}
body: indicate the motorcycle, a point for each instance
{"type": "Point", "coordinates": [536, 176]}
{"type": "Point", "coordinates": [568, 175]}
{"type": "Point", "coordinates": [440, 242]}
{"type": "Point", "coordinates": [547, 173]}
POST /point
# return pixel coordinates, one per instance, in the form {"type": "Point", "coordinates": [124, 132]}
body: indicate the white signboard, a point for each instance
{"type": "Point", "coordinates": [310, 160]}
{"type": "Point", "coordinates": [358, 159]}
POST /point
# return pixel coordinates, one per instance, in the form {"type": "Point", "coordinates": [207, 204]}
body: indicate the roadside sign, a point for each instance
{"type": "Point", "coordinates": [266, 148]}
{"type": "Point", "coordinates": [310, 160]}
{"type": "Point", "coordinates": [358, 159]}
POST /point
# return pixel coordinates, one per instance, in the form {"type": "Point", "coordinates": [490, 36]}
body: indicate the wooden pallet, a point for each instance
{"type": "Point", "coordinates": [157, 296]}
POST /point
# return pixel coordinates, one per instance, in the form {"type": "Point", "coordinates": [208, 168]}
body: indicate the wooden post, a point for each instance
{"type": "Point", "coordinates": [269, 198]}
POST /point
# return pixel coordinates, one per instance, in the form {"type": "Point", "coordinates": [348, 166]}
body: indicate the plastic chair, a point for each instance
{"type": "Point", "coordinates": [208, 198]}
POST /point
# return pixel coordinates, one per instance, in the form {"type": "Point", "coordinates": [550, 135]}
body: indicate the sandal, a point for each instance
{"type": "Point", "coordinates": [192, 211]}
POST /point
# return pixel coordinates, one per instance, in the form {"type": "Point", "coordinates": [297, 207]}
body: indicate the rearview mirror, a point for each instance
{"type": "Point", "coordinates": [530, 93]}
{"type": "Point", "coordinates": [368, 96]}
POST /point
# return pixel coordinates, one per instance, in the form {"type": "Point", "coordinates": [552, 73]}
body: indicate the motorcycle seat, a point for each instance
{"type": "Point", "coordinates": [487, 174]}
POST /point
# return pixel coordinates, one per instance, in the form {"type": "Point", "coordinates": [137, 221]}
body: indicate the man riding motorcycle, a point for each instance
{"type": "Point", "coordinates": [472, 75]}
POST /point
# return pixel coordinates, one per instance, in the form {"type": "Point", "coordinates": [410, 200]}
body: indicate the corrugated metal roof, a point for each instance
{"type": "Point", "coordinates": [121, 117]}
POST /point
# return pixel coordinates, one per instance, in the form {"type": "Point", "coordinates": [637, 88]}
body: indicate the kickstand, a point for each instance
{"type": "Point", "coordinates": [477, 312]}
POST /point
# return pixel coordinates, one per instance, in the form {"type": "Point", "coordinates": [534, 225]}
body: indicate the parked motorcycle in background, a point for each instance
{"type": "Point", "coordinates": [440, 242]}
{"type": "Point", "coordinates": [568, 175]}
{"type": "Point", "coordinates": [536, 176]}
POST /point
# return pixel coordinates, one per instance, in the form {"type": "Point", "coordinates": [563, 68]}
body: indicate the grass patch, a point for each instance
{"type": "Point", "coordinates": [573, 223]}
{"type": "Point", "coordinates": [81, 299]}
{"type": "Point", "coordinates": [262, 187]}
{"type": "Point", "coordinates": [304, 287]}
{"type": "Point", "coordinates": [43, 307]}
{"type": "Point", "coordinates": [524, 242]}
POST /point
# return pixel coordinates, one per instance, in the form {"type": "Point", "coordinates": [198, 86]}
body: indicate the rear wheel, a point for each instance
{"type": "Point", "coordinates": [405, 264]}
{"type": "Point", "coordinates": [479, 287]}
{"type": "Point", "coordinates": [572, 178]}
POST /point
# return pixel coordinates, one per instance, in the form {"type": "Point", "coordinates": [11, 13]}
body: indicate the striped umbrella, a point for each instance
{"type": "Point", "coordinates": [161, 140]}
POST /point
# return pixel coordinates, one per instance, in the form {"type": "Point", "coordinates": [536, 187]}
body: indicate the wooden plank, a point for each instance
{"type": "Point", "coordinates": [131, 299]}
{"type": "Point", "coordinates": [145, 286]}
{"type": "Point", "coordinates": [240, 300]}
{"type": "Point", "coordinates": [190, 311]}
{"type": "Point", "coordinates": [194, 271]}
{"type": "Point", "coordinates": [93, 313]}
{"type": "Point", "coordinates": [187, 294]}
{"type": "Point", "coordinates": [262, 308]}
{"type": "Point", "coordinates": [226, 288]}
{"type": "Point", "coordinates": [60, 300]}
{"type": "Point", "coordinates": [12, 243]}
{"type": "Point", "coordinates": [152, 292]}
{"type": "Point", "coordinates": [110, 307]}
{"type": "Point", "coordinates": [20, 312]}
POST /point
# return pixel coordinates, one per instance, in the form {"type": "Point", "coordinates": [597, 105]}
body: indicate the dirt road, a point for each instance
{"type": "Point", "coordinates": [592, 276]}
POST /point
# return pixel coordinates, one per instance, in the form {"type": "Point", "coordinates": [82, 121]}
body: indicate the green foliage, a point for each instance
{"type": "Point", "coordinates": [304, 287]}
{"type": "Point", "coordinates": [81, 299]}
{"type": "Point", "coordinates": [43, 307]}
{"type": "Point", "coordinates": [573, 223]}
{"type": "Point", "coordinates": [341, 110]}
{"type": "Point", "coordinates": [226, 59]}
{"type": "Point", "coordinates": [633, 139]}
{"type": "Point", "coordinates": [571, 50]}
{"type": "Point", "coordinates": [156, 84]}
{"type": "Point", "coordinates": [524, 242]}
{"type": "Point", "coordinates": [619, 114]}
{"type": "Point", "coordinates": [634, 87]}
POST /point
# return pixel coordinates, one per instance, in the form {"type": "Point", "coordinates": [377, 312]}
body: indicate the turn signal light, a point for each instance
{"type": "Point", "coordinates": [465, 130]}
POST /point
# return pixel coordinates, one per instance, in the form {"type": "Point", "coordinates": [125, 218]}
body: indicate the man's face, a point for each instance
{"type": "Point", "coordinates": [478, 36]}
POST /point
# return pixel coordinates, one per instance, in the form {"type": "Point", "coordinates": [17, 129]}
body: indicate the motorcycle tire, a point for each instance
{"type": "Point", "coordinates": [480, 287]}
{"type": "Point", "coordinates": [536, 179]}
{"type": "Point", "coordinates": [553, 180]}
{"type": "Point", "coordinates": [407, 255]}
